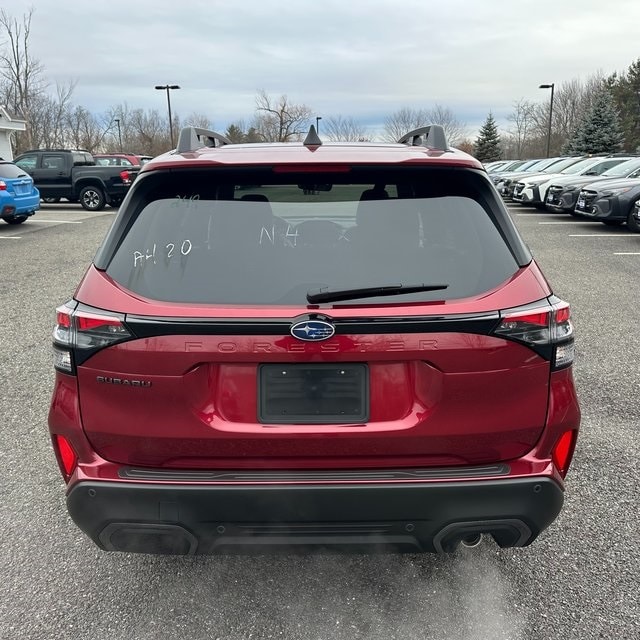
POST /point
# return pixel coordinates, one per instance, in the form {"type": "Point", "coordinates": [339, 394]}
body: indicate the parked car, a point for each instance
{"type": "Point", "coordinates": [121, 159]}
{"type": "Point", "coordinates": [562, 193]}
{"type": "Point", "coordinates": [507, 184]}
{"type": "Point", "coordinates": [19, 198]}
{"type": "Point", "coordinates": [116, 160]}
{"type": "Point", "coordinates": [527, 191]}
{"type": "Point", "coordinates": [635, 219]}
{"type": "Point", "coordinates": [611, 201]}
{"type": "Point", "coordinates": [533, 191]}
{"type": "Point", "coordinates": [59, 173]}
{"type": "Point", "coordinates": [507, 167]}
{"type": "Point", "coordinates": [498, 176]}
{"type": "Point", "coordinates": [283, 345]}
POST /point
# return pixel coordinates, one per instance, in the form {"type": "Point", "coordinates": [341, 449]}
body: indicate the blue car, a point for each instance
{"type": "Point", "coordinates": [19, 198]}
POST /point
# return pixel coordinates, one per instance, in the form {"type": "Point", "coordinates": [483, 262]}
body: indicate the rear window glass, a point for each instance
{"type": "Point", "coordinates": [8, 170]}
{"type": "Point", "coordinates": [268, 239]}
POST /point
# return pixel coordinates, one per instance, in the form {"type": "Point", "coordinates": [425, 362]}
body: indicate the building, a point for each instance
{"type": "Point", "coordinates": [8, 125]}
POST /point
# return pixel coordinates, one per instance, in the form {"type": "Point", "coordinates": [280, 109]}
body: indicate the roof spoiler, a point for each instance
{"type": "Point", "coordinates": [190, 139]}
{"type": "Point", "coordinates": [431, 136]}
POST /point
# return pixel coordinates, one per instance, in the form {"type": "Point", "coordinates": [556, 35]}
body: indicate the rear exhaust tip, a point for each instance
{"type": "Point", "coordinates": [471, 540]}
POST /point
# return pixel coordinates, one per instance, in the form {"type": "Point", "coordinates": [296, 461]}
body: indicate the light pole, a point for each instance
{"type": "Point", "coordinates": [318, 118]}
{"type": "Point", "coordinates": [168, 88]}
{"type": "Point", "coordinates": [117, 121]}
{"type": "Point", "coordinates": [549, 86]}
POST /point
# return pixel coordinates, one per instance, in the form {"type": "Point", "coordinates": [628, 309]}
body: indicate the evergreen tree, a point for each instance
{"type": "Point", "coordinates": [626, 96]}
{"type": "Point", "coordinates": [487, 144]}
{"type": "Point", "coordinates": [235, 133]}
{"type": "Point", "coordinates": [599, 131]}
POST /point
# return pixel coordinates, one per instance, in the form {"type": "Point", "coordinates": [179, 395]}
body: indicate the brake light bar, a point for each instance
{"type": "Point", "coordinates": [311, 168]}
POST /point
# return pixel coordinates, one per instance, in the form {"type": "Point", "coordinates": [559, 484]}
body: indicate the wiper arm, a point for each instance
{"type": "Point", "coordinates": [328, 295]}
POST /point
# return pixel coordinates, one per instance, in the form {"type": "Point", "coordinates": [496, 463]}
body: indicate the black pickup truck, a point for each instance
{"type": "Point", "coordinates": [74, 175]}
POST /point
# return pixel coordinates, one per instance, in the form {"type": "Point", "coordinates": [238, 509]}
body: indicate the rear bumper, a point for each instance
{"type": "Point", "coordinates": [408, 516]}
{"type": "Point", "coordinates": [20, 205]}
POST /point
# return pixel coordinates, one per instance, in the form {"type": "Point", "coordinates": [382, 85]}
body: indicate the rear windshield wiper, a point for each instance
{"type": "Point", "coordinates": [328, 295]}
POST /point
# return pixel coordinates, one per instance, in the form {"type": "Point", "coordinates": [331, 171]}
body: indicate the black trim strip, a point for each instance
{"type": "Point", "coordinates": [440, 473]}
{"type": "Point", "coordinates": [148, 327]}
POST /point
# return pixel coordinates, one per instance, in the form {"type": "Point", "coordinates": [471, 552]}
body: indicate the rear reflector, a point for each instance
{"type": "Point", "coordinates": [66, 455]}
{"type": "Point", "coordinates": [563, 451]}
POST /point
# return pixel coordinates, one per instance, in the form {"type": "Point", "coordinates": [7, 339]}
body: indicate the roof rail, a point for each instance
{"type": "Point", "coordinates": [189, 139]}
{"type": "Point", "coordinates": [431, 136]}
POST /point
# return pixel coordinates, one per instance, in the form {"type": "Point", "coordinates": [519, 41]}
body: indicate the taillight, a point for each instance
{"type": "Point", "coordinates": [563, 451]}
{"type": "Point", "coordinates": [3, 185]}
{"type": "Point", "coordinates": [125, 177]}
{"type": "Point", "coordinates": [67, 457]}
{"type": "Point", "coordinates": [82, 331]}
{"type": "Point", "coordinates": [549, 328]}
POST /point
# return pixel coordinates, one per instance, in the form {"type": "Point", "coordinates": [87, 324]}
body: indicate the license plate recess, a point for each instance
{"type": "Point", "coordinates": [313, 393]}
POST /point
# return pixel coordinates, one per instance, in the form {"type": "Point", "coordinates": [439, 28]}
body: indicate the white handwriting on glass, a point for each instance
{"type": "Point", "coordinates": [169, 250]}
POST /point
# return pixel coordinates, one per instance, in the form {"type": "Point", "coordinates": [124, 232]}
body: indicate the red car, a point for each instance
{"type": "Point", "coordinates": [116, 159]}
{"type": "Point", "coordinates": [337, 345]}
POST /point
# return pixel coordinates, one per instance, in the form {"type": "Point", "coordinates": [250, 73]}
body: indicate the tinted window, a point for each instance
{"type": "Point", "coordinates": [8, 170]}
{"type": "Point", "coordinates": [234, 242]}
{"type": "Point", "coordinates": [28, 163]}
{"type": "Point", "coordinates": [53, 162]}
{"type": "Point", "coordinates": [623, 169]}
{"type": "Point", "coordinates": [603, 166]}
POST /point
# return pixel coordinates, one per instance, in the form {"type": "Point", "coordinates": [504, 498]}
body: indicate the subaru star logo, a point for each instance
{"type": "Point", "coordinates": [312, 330]}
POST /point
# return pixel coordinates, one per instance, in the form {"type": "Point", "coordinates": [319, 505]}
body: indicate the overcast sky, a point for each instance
{"type": "Point", "coordinates": [363, 59]}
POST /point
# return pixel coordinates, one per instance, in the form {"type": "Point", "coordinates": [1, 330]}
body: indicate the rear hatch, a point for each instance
{"type": "Point", "coordinates": [18, 184]}
{"type": "Point", "coordinates": [246, 326]}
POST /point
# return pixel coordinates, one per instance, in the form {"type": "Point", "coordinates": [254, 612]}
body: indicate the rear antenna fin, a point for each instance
{"type": "Point", "coordinates": [312, 139]}
{"type": "Point", "coordinates": [431, 136]}
{"type": "Point", "coordinates": [193, 138]}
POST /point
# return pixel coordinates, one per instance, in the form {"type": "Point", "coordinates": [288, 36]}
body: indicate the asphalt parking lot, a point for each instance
{"type": "Point", "coordinates": [579, 580]}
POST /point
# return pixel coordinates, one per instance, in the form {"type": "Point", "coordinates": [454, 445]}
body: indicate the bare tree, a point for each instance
{"type": "Point", "coordinates": [572, 100]}
{"type": "Point", "coordinates": [22, 74]}
{"type": "Point", "coordinates": [198, 120]}
{"type": "Point", "coordinates": [403, 121]}
{"type": "Point", "coordinates": [453, 128]}
{"type": "Point", "coordinates": [84, 130]}
{"type": "Point", "coordinates": [338, 128]}
{"type": "Point", "coordinates": [519, 135]}
{"type": "Point", "coordinates": [278, 120]}
{"type": "Point", "coordinates": [150, 132]}
{"type": "Point", "coordinates": [406, 119]}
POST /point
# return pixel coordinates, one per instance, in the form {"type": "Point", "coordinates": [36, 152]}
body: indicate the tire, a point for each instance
{"type": "Point", "coordinates": [632, 224]}
{"type": "Point", "coordinates": [92, 198]}
{"type": "Point", "coordinates": [51, 200]}
{"type": "Point", "coordinates": [612, 223]}
{"type": "Point", "coordinates": [15, 219]}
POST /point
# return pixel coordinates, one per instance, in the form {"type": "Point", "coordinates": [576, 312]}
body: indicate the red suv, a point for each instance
{"type": "Point", "coordinates": [335, 345]}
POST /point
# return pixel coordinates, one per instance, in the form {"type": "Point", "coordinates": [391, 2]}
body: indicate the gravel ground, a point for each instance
{"type": "Point", "coordinates": [579, 580]}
